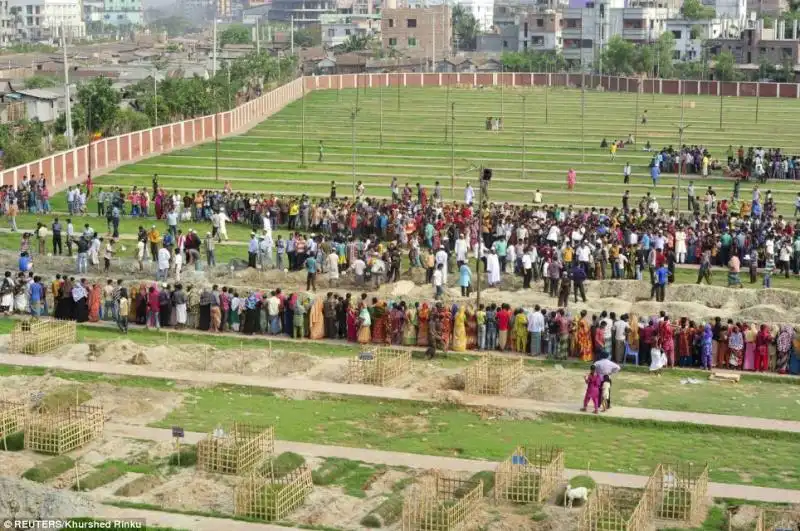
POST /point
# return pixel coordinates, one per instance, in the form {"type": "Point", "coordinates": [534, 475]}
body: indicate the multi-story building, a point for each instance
{"type": "Point", "coordinates": [758, 44]}
{"type": "Point", "coordinates": [337, 28]}
{"type": "Point", "coordinates": [540, 30]}
{"type": "Point", "coordinates": [772, 8]}
{"type": "Point", "coordinates": [123, 13]}
{"type": "Point", "coordinates": [7, 29]}
{"type": "Point", "coordinates": [43, 19]}
{"type": "Point", "coordinates": [93, 11]}
{"type": "Point", "coordinates": [426, 30]}
{"type": "Point", "coordinates": [303, 12]}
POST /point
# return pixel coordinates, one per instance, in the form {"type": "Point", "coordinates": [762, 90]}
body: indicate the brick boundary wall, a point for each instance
{"type": "Point", "coordinates": [72, 167]}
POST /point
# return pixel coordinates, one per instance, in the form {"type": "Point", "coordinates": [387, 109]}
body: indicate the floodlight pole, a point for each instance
{"type": "Point", "coordinates": [502, 72]}
{"type": "Point", "coordinates": [446, 108]}
{"type": "Point", "coordinates": [480, 236]}
{"type": "Point", "coordinates": [381, 113]}
{"type": "Point", "coordinates": [398, 92]}
{"type": "Point", "coordinates": [681, 128]}
{"type": "Point", "coordinates": [583, 110]}
{"type": "Point", "coordinates": [353, 115]}
{"type": "Point", "coordinates": [303, 127]}
{"type": "Point", "coordinates": [546, 91]}
{"type": "Point", "coordinates": [720, 108]}
{"type": "Point", "coordinates": [524, 97]}
{"type": "Point", "coordinates": [453, 151]}
{"type": "Point", "coordinates": [636, 113]}
{"type": "Point", "coordinates": [758, 96]}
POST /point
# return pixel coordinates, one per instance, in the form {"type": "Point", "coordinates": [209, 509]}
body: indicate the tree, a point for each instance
{"type": "Point", "coordinates": [235, 34]}
{"type": "Point", "coordinates": [38, 81]}
{"type": "Point", "coordinates": [101, 102]}
{"type": "Point", "coordinates": [303, 38]}
{"type": "Point", "coordinates": [619, 56]}
{"type": "Point", "coordinates": [534, 61]}
{"type": "Point", "coordinates": [769, 22]}
{"type": "Point", "coordinates": [355, 43]}
{"type": "Point", "coordinates": [694, 10]}
{"type": "Point", "coordinates": [725, 66]}
{"type": "Point", "coordinates": [128, 120]}
{"type": "Point", "coordinates": [664, 49]}
{"type": "Point", "coordinates": [465, 28]}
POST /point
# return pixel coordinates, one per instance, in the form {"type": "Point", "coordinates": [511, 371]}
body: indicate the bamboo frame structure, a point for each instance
{"type": "Point", "coordinates": [270, 498]}
{"type": "Point", "coordinates": [64, 429]}
{"type": "Point", "coordinates": [37, 336]}
{"type": "Point", "coordinates": [530, 474]}
{"type": "Point", "coordinates": [12, 417]}
{"type": "Point", "coordinates": [682, 492]}
{"type": "Point", "coordinates": [243, 449]}
{"type": "Point", "coordinates": [773, 519]}
{"type": "Point", "coordinates": [442, 502]}
{"type": "Point", "coordinates": [619, 509]}
{"type": "Point", "coordinates": [493, 375]}
{"type": "Point", "coordinates": [387, 365]}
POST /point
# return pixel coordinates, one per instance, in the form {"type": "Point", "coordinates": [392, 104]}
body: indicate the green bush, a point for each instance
{"type": "Point", "coordinates": [49, 469]}
{"type": "Point", "coordinates": [385, 514]}
{"type": "Point", "coordinates": [13, 442]}
{"type": "Point", "coordinates": [187, 454]}
{"type": "Point", "coordinates": [285, 463]}
{"type": "Point", "coordinates": [487, 476]}
{"type": "Point", "coordinates": [69, 395]}
{"type": "Point", "coordinates": [100, 477]}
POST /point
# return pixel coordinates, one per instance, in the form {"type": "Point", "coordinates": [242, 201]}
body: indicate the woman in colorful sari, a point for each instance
{"type": "Point", "coordinates": [521, 332]}
{"type": "Point", "coordinates": [749, 332]}
{"type": "Point", "coordinates": [446, 320]}
{"type": "Point", "coordinates": [410, 326]}
{"type": "Point", "coordinates": [472, 328]}
{"type": "Point", "coordinates": [794, 358]}
{"type": "Point", "coordinates": [396, 322]}
{"type": "Point", "coordinates": [141, 305]}
{"type": "Point", "coordinates": [685, 338]}
{"type": "Point", "coordinates": [423, 316]}
{"type": "Point", "coordinates": [633, 336]}
{"type": "Point", "coordinates": [94, 303]}
{"type": "Point", "coordinates": [735, 347]}
{"type": "Point", "coordinates": [380, 323]}
{"type": "Point", "coordinates": [583, 338]}
{"type": "Point", "coordinates": [316, 320]}
{"type": "Point", "coordinates": [352, 324]}
{"type": "Point", "coordinates": [763, 340]}
{"type": "Point", "coordinates": [460, 330]}
{"type": "Point", "coordinates": [364, 323]}
{"type": "Point", "coordinates": [785, 337]}
{"type": "Point", "coordinates": [667, 341]}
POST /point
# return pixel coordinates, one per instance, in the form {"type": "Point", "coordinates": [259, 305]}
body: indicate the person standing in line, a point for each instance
{"type": "Point", "coordinates": [437, 280]}
{"type": "Point", "coordinates": [311, 273]}
{"type": "Point", "coordinates": [252, 251]}
{"type": "Point", "coordinates": [124, 309]}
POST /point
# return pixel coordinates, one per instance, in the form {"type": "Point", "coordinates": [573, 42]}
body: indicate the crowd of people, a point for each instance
{"type": "Point", "coordinates": [658, 341]}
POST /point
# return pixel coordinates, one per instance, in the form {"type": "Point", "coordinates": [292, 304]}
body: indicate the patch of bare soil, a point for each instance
{"type": "Point", "coordinates": [133, 405]}
{"type": "Point", "coordinates": [110, 447]}
{"type": "Point", "coordinates": [330, 506]}
{"type": "Point", "coordinates": [384, 483]}
{"type": "Point", "coordinates": [190, 490]}
{"type": "Point", "coordinates": [743, 517]}
{"type": "Point", "coordinates": [138, 486]}
{"type": "Point", "coordinates": [633, 397]}
{"type": "Point", "coordinates": [555, 384]}
{"type": "Point", "coordinates": [13, 464]}
{"type": "Point", "coordinates": [406, 424]}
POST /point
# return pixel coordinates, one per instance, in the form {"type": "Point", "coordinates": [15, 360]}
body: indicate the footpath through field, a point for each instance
{"type": "Point", "coordinates": [390, 393]}
{"type": "Point", "coordinates": [716, 490]}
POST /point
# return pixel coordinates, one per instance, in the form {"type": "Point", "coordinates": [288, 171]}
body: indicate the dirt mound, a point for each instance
{"type": "Point", "coordinates": [139, 486]}
{"type": "Point", "coordinates": [190, 491]}
{"type": "Point", "coordinates": [139, 359]}
{"type": "Point", "coordinates": [25, 499]}
{"type": "Point", "coordinates": [133, 405]}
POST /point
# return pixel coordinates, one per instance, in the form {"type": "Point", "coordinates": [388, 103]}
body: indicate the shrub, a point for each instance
{"type": "Point", "coordinates": [49, 469]}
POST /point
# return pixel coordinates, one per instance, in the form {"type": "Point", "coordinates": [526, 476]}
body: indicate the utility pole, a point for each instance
{"type": "Point", "coordinates": [681, 129]}
{"type": "Point", "coordinates": [353, 115]}
{"type": "Point", "coordinates": [216, 138]}
{"type": "Point", "coordinates": [720, 108]}
{"type": "Point", "coordinates": [258, 39]}
{"type": "Point", "coordinates": [155, 96]}
{"type": "Point", "coordinates": [67, 105]}
{"type": "Point", "coordinates": [446, 108]}
{"type": "Point", "coordinates": [524, 97]}
{"type": "Point", "coordinates": [502, 71]}
{"type": "Point", "coordinates": [480, 237]}
{"type": "Point", "coordinates": [398, 92]}
{"type": "Point", "coordinates": [453, 151]}
{"type": "Point", "coordinates": [303, 127]}
{"type": "Point", "coordinates": [636, 113]}
{"type": "Point", "coordinates": [583, 111]}
{"type": "Point", "coordinates": [433, 44]}
{"type": "Point", "coordinates": [380, 99]}
{"type": "Point", "coordinates": [214, 51]}
{"type": "Point", "coordinates": [291, 35]}
{"type": "Point", "coordinates": [546, 91]}
{"type": "Point", "coordinates": [758, 97]}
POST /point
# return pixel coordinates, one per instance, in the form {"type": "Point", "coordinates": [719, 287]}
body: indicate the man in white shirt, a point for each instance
{"type": "Point", "coordinates": [438, 281]}
{"type": "Point", "coordinates": [163, 264]}
{"type": "Point", "coordinates": [535, 328]}
{"type": "Point", "coordinates": [461, 249]}
{"type": "Point", "coordinates": [527, 270]}
{"type": "Point", "coordinates": [140, 247]}
{"type": "Point", "coordinates": [359, 266]}
{"type": "Point", "coordinates": [621, 328]}
{"type": "Point", "coordinates": [333, 268]}
{"type": "Point", "coordinates": [469, 194]}
{"type": "Point", "coordinates": [626, 173]}
{"type": "Point", "coordinates": [537, 197]}
{"type": "Point", "coordinates": [440, 259]}
{"type": "Point", "coordinates": [553, 234]}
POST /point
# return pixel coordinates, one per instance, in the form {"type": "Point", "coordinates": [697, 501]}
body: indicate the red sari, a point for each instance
{"type": "Point", "coordinates": [352, 325]}
{"type": "Point", "coordinates": [447, 327]}
{"type": "Point", "coordinates": [94, 303]}
{"type": "Point", "coordinates": [422, 333]}
{"type": "Point", "coordinates": [380, 325]}
{"type": "Point", "coordinates": [472, 329]}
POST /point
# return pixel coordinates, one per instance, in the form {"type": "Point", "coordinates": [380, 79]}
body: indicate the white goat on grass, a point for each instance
{"type": "Point", "coordinates": [578, 493]}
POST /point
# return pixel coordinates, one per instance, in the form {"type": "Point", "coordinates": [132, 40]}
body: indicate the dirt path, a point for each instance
{"type": "Point", "coordinates": [717, 490]}
{"type": "Point", "coordinates": [317, 386]}
{"type": "Point", "coordinates": [183, 521]}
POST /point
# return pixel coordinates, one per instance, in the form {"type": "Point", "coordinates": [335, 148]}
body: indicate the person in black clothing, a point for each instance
{"type": "Point", "coordinates": [578, 278]}
{"type": "Point", "coordinates": [56, 228]}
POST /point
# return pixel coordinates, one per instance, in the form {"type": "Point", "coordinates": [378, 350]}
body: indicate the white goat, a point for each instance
{"type": "Point", "coordinates": [578, 493]}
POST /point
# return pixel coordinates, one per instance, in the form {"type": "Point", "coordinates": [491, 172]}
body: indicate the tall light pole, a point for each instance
{"type": "Point", "coordinates": [583, 111]}
{"type": "Point", "coordinates": [214, 50]}
{"type": "Point", "coordinates": [546, 91]}
{"type": "Point", "coordinates": [380, 100]}
{"type": "Point", "coordinates": [524, 97]}
{"type": "Point", "coordinates": [681, 128]}
{"type": "Point", "coordinates": [155, 96]}
{"type": "Point", "coordinates": [502, 72]}
{"type": "Point", "coordinates": [636, 112]}
{"type": "Point", "coordinates": [67, 104]}
{"type": "Point", "coordinates": [721, 99]}
{"type": "Point", "coordinates": [353, 115]}
{"type": "Point", "coordinates": [303, 127]}
{"type": "Point", "coordinates": [480, 237]}
{"type": "Point", "coordinates": [453, 151]}
{"type": "Point", "coordinates": [446, 108]}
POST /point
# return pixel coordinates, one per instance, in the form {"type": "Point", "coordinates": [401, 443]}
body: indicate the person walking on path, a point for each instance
{"type": "Point", "coordinates": [593, 383]}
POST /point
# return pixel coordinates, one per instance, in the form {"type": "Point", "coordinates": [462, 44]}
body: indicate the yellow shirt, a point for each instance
{"type": "Point", "coordinates": [124, 307]}
{"type": "Point", "coordinates": [294, 209]}
{"type": "Point", "coordinates": [613, 148]}
{"type": "Point", "coordinates": [568, 255]}
{"type": "Point", "coordinates": [154, 236]}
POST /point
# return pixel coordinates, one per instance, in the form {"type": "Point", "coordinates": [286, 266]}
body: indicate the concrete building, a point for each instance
{"type": "Point", "coordinates": [540, 30]}
{"type": "Point", "coordinates": [253, 15]}
{"type": "Point", "coordinates": [43, 19]}
{"type": "Point", "coordinates": [773, 8]}
{"type": "Point", "coordinates": [93, 13]}
{"type": "Point", "coordinates": [305, 12]}
{"type": "Point", "coordinates": [7, 29]}
{"type": "Point", "coordinates": [44, 105]}
{"type": "Point", "coordinates": [427, 31]}
{"type": "Point", "coordinates": [759, 44]}
{"type": "Point", "coordinates": [337, 28]}
{"type": "Point", "coordinates": [501, 39]}
{"type": "Point", "coordinates": [123, 13]}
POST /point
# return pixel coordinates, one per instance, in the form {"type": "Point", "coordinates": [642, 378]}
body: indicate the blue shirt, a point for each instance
{"type": "Point", "coordinates": [465, 275]}
{"type": "Point", "coordinates": [253, 246]}
{"type": "Point", "coordinates": [36, 292]}
{"type": "Point", "coordinates": [311, 264]}
{"type": "Point", "coordinates": [662, 274]}
{"type": "Point", "coordinates": [24, 261]}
